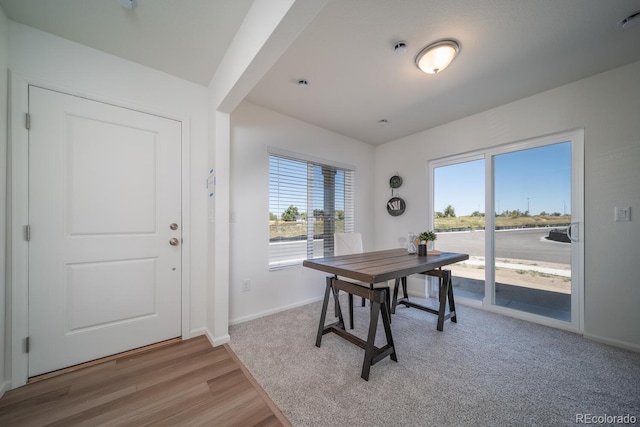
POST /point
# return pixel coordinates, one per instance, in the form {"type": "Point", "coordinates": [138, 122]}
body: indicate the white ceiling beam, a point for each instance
{"type": "Point", "coordinates": [267, 31]}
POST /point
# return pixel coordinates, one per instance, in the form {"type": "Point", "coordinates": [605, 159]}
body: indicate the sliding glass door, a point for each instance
{"type": "Point", "coordinates": [459, 220]}
{"type": "Point", "coordinates": [525, 247]}
{"type": "Point", "coordinates": [532, 256]}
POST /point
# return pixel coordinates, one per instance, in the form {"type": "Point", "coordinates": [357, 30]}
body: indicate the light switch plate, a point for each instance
{"type": "Point", "coordinates": [622, 214]}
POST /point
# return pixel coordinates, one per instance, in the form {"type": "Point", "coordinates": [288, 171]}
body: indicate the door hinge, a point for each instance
{"type": "Point", "coordinates": [27, 233]}
{"type": "Point", "coordinates": [26, 344]}
{"type": "Point", "coordinates": [27, 121]}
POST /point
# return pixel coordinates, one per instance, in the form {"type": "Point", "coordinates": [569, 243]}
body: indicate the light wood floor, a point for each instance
{"type": "Point", "coordinates": [184, 383]}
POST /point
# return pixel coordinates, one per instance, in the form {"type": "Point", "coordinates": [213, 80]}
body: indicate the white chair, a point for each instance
{"type": "Point", "coordinates": [348, 244]}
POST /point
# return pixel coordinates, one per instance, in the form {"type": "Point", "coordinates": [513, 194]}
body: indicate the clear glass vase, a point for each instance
{"type": "Point", "coordinates": [411, 243]}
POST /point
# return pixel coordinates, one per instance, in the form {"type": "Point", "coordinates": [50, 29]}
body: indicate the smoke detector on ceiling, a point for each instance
{"type": "Point", "coordinates": [400, 47]}
{"type": "Point", "coordinates": [128, 4]}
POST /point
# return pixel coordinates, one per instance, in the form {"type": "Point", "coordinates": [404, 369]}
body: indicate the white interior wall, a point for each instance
{"type": "Point", "coordinates": [60, 64]}
{"type": "Point", "coordinates": [253, 130]}
{"type": "Point", "coordinates": [266, 32]}
{"type": "Point", "coordinates": [4, 65]}
{"type": "Point", "coordinates": [608, 108]}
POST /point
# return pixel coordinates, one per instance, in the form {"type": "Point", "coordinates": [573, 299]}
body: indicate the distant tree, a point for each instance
{"type": "Point", "coordinates": [340, 215]}
{"type": "Point", "coordinates": [291, 214]}
{"type": "Point", "coordinates": [450, 212]}
{"type": "Point", "coordinates": [556, 214]}
{"type": "Point", "coordinates": [543, 213]}
{"type": "Point", "coordinates": [439, 215]}
{"type": "Point", "coordinates": [477, 214]}
{"type": "Point", "coordinates": [318, 213]}
{"type": "Point", "coordinates": [273, 217]}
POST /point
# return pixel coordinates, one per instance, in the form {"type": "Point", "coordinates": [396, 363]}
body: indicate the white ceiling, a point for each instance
{"type": "Point", "coordinates": [185, 38]}
{"type": "Point", "coordinates": [510, 49]}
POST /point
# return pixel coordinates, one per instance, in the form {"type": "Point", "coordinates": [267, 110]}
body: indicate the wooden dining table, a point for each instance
{"type": "Point", "coordinates": [368, 270]}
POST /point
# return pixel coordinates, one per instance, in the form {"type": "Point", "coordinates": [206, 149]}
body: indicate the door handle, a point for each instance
{"type": "Point", "coordinates": [570, 231]}
{"type": "Point", "coordinates": [174, 242]}
{"type": "Point", "coordinates": [173, 226]}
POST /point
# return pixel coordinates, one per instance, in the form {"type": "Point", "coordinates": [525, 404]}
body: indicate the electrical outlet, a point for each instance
{"type": "Point", "coordinates": [246, 285]}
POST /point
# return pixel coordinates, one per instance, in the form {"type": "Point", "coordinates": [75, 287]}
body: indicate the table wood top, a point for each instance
{"type": "Point", "coordinates": [380, 266]}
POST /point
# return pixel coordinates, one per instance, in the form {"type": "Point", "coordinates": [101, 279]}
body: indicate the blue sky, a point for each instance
{"type": "Point", "coordinates": [537, 179]}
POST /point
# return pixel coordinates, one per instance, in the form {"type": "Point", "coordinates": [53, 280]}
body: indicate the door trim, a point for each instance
{"type": "Point", "coordinates": [576, 136]}
{"type": "Point", "coordinates": [18, 214]}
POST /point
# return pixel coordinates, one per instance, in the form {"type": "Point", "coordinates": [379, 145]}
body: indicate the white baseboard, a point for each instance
{"type": "Point", "coordinates": [4, 387]}
{"type": "Point", "coordinates": [221, 340]}
{"type": "Point", "coordinates": [216, 341]}
{"type": "Point", "coordinates": [614, 343]}
{"type": "Point", "coordinates": [273, 311]}
{"type": "Point", "coordinates": [196, 333]}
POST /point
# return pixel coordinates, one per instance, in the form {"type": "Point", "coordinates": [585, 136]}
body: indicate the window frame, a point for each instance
{"type": "Point", "coordinates": [346, 202]}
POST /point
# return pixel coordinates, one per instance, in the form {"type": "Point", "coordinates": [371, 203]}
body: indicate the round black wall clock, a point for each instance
{"type": "Point", "coordinates": [395, 181]}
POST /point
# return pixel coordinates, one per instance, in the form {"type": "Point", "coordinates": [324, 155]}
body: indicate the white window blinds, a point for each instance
{"type": "Point", "coordinates": [308, 202]}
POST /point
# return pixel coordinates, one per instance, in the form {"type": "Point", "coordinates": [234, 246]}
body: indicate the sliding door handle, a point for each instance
{"type": "Point", "coordinates": [573, 231]}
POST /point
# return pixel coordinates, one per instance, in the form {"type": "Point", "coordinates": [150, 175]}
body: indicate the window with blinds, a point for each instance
{"type": "Point", "coordinates": [308, 202]}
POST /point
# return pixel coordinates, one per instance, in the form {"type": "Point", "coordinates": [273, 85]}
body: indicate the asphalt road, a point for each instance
{"type": "Point", "coordinates": [525, 244]}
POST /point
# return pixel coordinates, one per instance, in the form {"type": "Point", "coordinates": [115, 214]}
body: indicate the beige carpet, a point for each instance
{"type": "Point", "coordinates": [485, 370]}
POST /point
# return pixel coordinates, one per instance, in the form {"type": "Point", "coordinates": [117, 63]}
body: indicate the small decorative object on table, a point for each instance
{"type": "Point", "coordinates": [424, 238]}
{"type": "Point", "coordinates": [411, 243]}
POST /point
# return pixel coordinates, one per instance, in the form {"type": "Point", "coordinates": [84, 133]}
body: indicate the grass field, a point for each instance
{"type": "Point", "coordinates": [293, 229]}
{"type": "Point", "coordinates": [469, 222]}
{"type": "Point", "coordinates": [288, 230]}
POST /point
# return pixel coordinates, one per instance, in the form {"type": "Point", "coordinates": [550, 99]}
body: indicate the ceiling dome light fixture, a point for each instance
{"type": "Point", "coordinates": [437, 56]}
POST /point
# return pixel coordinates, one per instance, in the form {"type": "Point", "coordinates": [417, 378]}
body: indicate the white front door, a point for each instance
{"type": "Point", "coordinates": [105, 230]}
